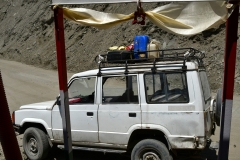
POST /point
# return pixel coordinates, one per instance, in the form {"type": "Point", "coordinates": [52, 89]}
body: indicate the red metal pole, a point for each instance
{"type": "Point", "coordinates": [7, 135]}
{"type": "Point", "coordinates": [228, 84]}
{"type": "Point", "coordinates": [62, 75]}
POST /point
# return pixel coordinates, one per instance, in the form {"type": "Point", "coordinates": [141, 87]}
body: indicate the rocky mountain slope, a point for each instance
{"type": "Point", "coordinates": [27, 36]}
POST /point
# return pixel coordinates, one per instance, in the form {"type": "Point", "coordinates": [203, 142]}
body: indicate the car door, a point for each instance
{"type": "Point", "coordinates": [168, 104]}
{"type": "Point", "coordinates": [119, 111]}
{"type": "Point", "coordinates": [83, 111]}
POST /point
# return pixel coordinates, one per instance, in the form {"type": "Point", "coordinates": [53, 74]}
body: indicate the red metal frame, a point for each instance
{"type": "Point", "coordinates": [62, 74]}
{"type": "Point", "coordinates": [60, 46]}
{"type": "Point", "coordinates": [228, 83]}
{"type": "Point", "coordinates": [7, 135]}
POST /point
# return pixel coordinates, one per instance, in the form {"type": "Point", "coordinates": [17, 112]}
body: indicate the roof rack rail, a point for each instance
{"type": "Point", "coordinates": [177, 54]}
{"type": "Point", "coordinates": [125, 58]}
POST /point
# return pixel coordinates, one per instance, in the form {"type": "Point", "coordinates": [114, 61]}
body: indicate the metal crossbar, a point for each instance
{"type": "Point", "coordinates": [66, 2]}
{"type": "Point", "coordinates": [179, 54]}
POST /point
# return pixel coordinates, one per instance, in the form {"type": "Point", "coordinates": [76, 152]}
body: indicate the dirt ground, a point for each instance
{"type": "Point", "coordinates": [26, 84]}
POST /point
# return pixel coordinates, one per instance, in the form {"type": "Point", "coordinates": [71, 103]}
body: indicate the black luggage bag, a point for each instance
{"type": "Point", "coordinates": [120, 55]}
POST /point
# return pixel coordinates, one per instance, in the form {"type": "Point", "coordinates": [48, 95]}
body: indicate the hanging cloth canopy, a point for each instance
{"type": "Point", "coordinates": [182, 18]}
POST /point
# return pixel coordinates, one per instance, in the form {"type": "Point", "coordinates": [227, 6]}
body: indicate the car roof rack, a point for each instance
{"type": "Point", "coordinates": [176, 56]}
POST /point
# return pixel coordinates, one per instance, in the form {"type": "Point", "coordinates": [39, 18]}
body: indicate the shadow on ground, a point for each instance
{"type": "Point", "coordinates": [58, 154]}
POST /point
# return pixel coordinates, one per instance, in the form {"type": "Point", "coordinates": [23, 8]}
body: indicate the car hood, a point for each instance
{"type": "Point", "coordinates": [41, 106]}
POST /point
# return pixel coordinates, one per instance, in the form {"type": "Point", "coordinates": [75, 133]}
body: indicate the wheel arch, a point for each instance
{"type": "Point", "coordinates": [141, 134]}
{"type": "Point", "coordinates": [27, 125]}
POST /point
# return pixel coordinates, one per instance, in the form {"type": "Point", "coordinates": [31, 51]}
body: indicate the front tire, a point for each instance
{"type": "Point", "coordinates": [35, 144]}
{"type": "Point", "coordinates": [150, 149]}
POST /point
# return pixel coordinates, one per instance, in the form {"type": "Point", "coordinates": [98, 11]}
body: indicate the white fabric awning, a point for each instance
{"type": "Point", "coordinates": [182, 18]}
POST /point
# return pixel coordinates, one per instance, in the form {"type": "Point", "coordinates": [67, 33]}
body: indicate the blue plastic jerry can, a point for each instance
{"type": "Point", "coordinates": [140, 46]}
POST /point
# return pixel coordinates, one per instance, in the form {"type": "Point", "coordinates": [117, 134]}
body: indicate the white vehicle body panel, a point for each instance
{"type": "Point", "coordinates": [205, 107]}
{"type": "Point", "coordinates": [35, 116]}
{"type": "Point", "coordinates": [41, 106]}
{"type": "Point", "coordinates": [84, 128]}
{"type": "Point", "coordinates": [115, 124]}
{"type": "Point", "coordinates": [189, 116]}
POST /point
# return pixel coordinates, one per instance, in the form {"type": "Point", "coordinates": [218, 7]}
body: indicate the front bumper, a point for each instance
{"type": "Point", "coordinates": [17, 128]}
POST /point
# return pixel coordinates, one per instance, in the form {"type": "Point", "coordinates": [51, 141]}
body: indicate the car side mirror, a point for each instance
{"type": "Point", "coordinates": [58, 101]}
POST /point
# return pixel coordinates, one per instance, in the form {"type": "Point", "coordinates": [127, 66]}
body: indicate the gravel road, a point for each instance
{"type": "Point", "coordinates": [27, 84]}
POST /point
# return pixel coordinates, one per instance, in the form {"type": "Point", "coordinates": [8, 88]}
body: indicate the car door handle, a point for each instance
{"type": "Point", "coordinates": [89, 113]}
{"type": "Point", "coordinates": [132, 114]}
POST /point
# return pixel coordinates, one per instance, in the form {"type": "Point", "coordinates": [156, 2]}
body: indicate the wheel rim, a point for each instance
{"type": "Point", "coordinates": [149, 154]}
{"type": "Point", "coordinates": [32, 146]}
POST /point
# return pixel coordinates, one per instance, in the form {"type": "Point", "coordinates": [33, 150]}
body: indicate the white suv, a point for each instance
{"type": "Point", "coordinates": [151, 109]}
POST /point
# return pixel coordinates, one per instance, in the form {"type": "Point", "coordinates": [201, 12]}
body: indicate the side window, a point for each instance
{"type": "Point", "coordinates": [175, 81]}
{"type": "Point", "coordinates": [154, 85]}
{"type": "Point", "coordinates": [120, 89]}
{"type": "Point", "coordinates": [82, 90]}
{"type": "Point", "coordinates": [166, 88]}
{"type": "Point", "coordinates": [205, 86]}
